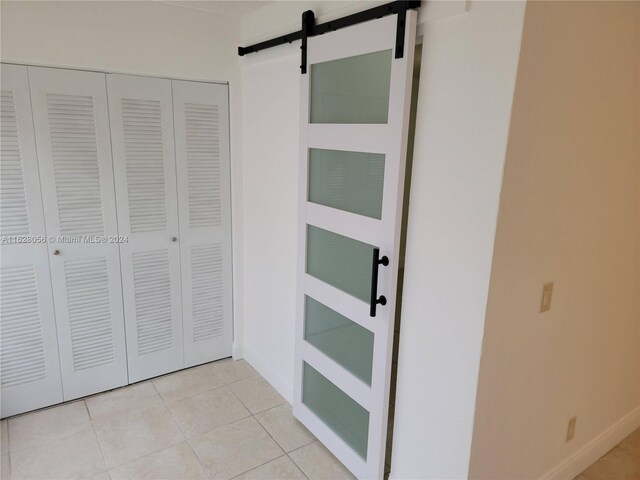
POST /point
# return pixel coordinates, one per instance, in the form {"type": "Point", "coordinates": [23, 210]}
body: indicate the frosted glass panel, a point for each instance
{"type": "Point", "coordinates": [335, 408]}
{"type": "Point", "coordinates": [350, 181]}
{"type": "Point", "coordinates": [339, 338]}
{"type": "Point", "coordinates": [351, 90]}
{"type": "Point", "coordinates": [340, 261]}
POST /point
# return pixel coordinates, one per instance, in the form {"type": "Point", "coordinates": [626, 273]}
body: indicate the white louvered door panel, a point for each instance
{"type": "Point", "coordinates": [74, 154]}
{"type": "Point", "coordinates": [29, 364]}
{"type": "Point", "coordinates": [141, 115]}
{"type": "Point", "coordinates": [201, 119]}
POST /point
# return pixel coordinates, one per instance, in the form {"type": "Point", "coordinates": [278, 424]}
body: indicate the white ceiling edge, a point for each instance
{"type": "Point", "coordinates": [229, 8]}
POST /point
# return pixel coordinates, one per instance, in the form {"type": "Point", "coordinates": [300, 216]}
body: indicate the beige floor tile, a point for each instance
{"type": "Point", "coordinates": [77, 456]}
{"type": "Point", "coordinates": [101, 476]}
{"type": "Point", "coordinates": [318, 463]}
{"type": "Point", "coordinates": [5, 469]}
{"type": "Point", "coordinates": [230, 370]}
{"type": "Point", "coordinates": [187, 383]}
{"type": "Point", "coordinates": [207, 411]}
{"type": "Point", "coordinates": [580, 477]}
{"type": "Point", "coordinates": [174, 463]}
{"type": "Point", "coordinates": [284, 428]}
{"type": "Point", "coordinates": [44, 426]}
{"type": "Point", "coordinates": [236, 448]}
{"type": "Point", "coordinates": [107, 407]}
{"type": "Point", "coordinates": [4, 439]}
{"type": "Point", "coordinates": [281, 469]}
{"type": "Point", "coordinates": [137, 434]}
{"type": "Point", "coordinates": [256, 394]}
{"type": "Point", "coordinates": [631, 444]}
{"type": "Point", "coordinates": [617, 464]}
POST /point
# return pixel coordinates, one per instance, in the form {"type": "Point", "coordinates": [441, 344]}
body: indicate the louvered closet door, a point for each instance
{"type": "Point", "coordinates": [30, 369]}
{"type": "Point", "coordinates": [141, 115]}
{"type": "Point", "coordinates": [201, 119]}
{"type": "Point", "coordinates": [74, 155]}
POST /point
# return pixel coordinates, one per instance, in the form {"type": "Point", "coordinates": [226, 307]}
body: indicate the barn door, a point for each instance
{"type": "Point", "coordinates": [74, 155]}
{"type": "Point", "coordinates": [141, 115]}
{"type": "Point", "coordinates": [201, 119]}
{"type": "Point", "coordinates": [30, 369]}
{"type": "Point", "coordinates": [355, 102]}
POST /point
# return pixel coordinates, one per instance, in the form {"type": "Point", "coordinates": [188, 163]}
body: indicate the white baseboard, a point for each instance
{"type": "Point", "coordinates": [284, 387]}
{"type": "Point", "coordinates": [237, 351]}
{"type": "Point", "coordinates": [581, 459]}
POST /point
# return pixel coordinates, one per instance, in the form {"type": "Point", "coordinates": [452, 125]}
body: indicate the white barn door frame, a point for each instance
{"type": "Point", "coordinates": [342, 389]}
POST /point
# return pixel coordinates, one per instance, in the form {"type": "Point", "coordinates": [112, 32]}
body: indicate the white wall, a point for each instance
{"type": "Point", "coordinates": [467, 80]}
{"type": "Point", "coordinates": [137, 37]}
{"type": "Point", "coordinates": [569, 213]}
{"type": "Point", "coordinates": [129, 36]}
{"type": "Point", "coordinates": [468, 75]}
{"type": "Point", "coordinates": [270, 112]}
{"type": "Point", "coordinates": [284, 16]}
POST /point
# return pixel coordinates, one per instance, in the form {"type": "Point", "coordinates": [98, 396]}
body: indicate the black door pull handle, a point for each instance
{"type": "Point", "coordinates": [375, 300]}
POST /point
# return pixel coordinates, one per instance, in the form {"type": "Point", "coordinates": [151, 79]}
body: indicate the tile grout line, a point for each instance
{"type": "Point", "coordinates": [187, 439]}
{"type": "Point", "coordinates": [25, 414]}
{"type": "Point", "coordinates": [256, 467]}
{"type": "Point", "coordinates": [265, 428]}
{"type": "Point", "coordinates": [141, 411]}
{"type": "Point", "coordinates": [222, 384]}
{"type": "Point", "coordinates": [93, 427]}
{"type": "Point", "coordinates": [296, 463]}
{"type": "Point", "coordinates": [286, 454]}
{"type": "Point", "coordinates": [95, 432]}
{"type": "Point", "coordinates": [254, 415]}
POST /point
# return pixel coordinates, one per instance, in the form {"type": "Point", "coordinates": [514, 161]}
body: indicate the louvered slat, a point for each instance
{"type": "Point", "coordinates": [142, 132]}
{"type": "Point", "coordinates": [207, 291]}
{"type": "Point", "coordinates": [14, 215]}
{"type": "Point", "coordinates": [74, 150]}
{"type": "Point", "coordinates": [203, 164]}
{"type": "Point", "coordinates": [152, 290]}
{"type": "Point", "coordinates": [89, 306]}
{"type": "Point", "coordinates": [23, 358]}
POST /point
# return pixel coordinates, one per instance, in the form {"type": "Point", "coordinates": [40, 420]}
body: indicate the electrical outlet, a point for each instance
{"type": "Point", "coordinates": [545, 302]}
{"type": "Point", "coordinates": [571, 429]}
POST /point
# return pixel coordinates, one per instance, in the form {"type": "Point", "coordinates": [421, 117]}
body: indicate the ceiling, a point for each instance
{"type": "Point", "coordinates": [229, 7]}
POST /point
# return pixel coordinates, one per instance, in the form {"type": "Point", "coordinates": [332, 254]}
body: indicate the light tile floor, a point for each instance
{"type": "Point", "coordinates": [216, 421]}
{"type": "Point", "coordinates": [622, 462]}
